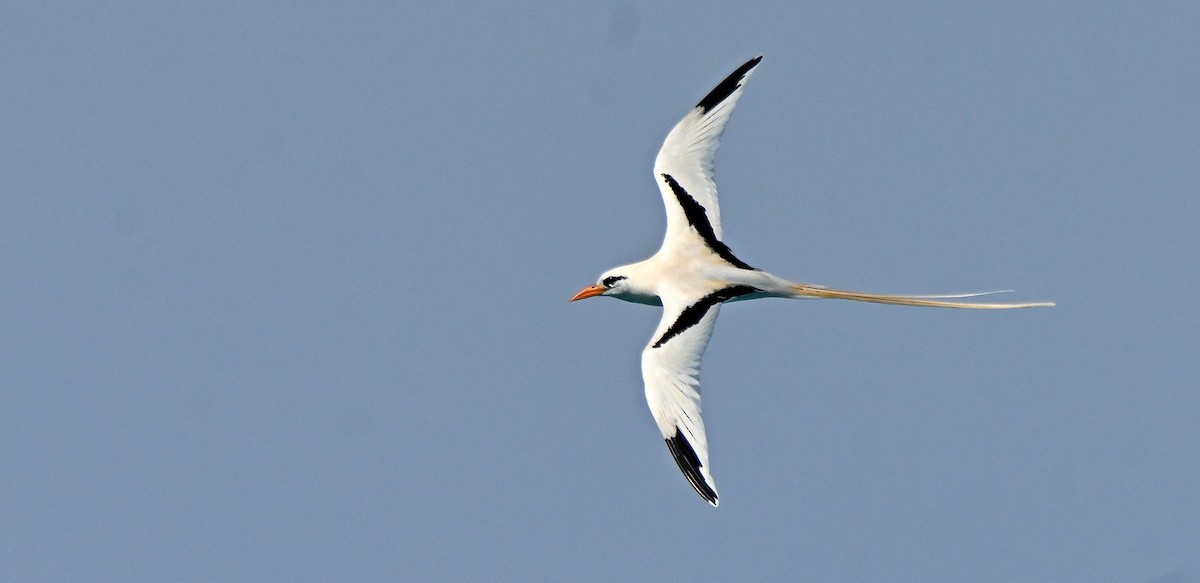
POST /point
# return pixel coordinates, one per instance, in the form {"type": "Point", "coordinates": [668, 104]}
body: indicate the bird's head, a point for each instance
{"type": "Point", "coordinates": [619, 283]}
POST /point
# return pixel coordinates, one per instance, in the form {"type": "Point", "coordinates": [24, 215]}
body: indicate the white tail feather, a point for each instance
{"type": "Point", "coordinates": [932, 301]}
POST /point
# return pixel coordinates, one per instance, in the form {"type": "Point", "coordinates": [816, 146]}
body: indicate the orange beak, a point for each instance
{"type": "Point", "coordinates": [589, 291]}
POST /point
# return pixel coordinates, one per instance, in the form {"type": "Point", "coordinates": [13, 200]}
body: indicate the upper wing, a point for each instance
{"type": "Point", "coordinates": [683, 169]}
{"type": "Point", "coordinates": [671, 370]}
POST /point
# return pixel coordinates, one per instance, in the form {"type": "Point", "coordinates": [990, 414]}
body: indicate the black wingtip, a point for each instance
{"type": "Point", "coordinates": [726, 88]}
{"type": "Point", "coordinates": [689, 462]}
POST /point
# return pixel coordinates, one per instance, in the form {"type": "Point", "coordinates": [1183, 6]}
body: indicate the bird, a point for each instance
{"type": "Point", "coordinates": [694, 272]}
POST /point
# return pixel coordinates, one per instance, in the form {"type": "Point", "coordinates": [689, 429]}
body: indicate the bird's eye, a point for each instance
{"type": "Point", "coordinates": [612, 280]}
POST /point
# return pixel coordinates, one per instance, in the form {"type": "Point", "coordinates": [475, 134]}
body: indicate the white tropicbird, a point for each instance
{"type": "Point", "coordinates": [694, 272]}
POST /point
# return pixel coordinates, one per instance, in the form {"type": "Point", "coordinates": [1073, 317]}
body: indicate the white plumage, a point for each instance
{"type": "Point", "coordinates": [694, 272]}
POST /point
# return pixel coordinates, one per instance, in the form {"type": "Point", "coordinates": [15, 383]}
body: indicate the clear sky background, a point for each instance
{"type": "Point", "coordinates": [285, 292]}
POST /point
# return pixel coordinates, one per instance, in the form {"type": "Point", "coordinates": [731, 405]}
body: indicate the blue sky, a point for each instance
{"type": "Point", "coordinates": [286, 288]}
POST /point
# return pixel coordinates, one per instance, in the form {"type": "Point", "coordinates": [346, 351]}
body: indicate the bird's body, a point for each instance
{"type": "Point", "coordinates": [694, 272]}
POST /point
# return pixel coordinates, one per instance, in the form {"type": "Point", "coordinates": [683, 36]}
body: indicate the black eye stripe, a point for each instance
{"type": "Point", "coordinates": [611, 280]}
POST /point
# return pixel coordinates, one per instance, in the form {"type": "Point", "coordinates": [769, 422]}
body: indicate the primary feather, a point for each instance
{"type": "Point", "coordinates": [694, 272]}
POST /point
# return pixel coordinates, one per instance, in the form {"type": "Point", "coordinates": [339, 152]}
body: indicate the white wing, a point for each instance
{"type": "Point", "coordinates": [671, 370]}
{"type": "Point", "coordinates": [683, 168]}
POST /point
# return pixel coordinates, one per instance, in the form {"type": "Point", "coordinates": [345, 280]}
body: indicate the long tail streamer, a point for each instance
{"type": "Point", "coordinates": [809, 291]}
